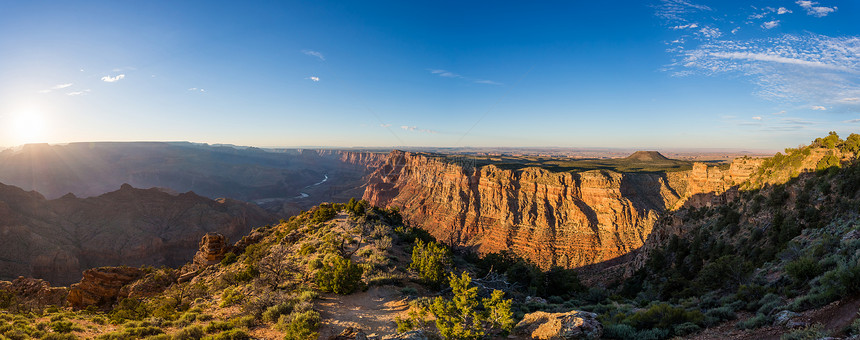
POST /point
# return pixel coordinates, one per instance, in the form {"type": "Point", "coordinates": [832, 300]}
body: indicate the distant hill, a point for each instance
{"type": "Point", "coordinates": [646, 156]}
{"type": "Point", "coordinates": [57, 239]}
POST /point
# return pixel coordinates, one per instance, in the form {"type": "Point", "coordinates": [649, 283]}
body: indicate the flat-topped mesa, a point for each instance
{"type": "Point", "coordinates": [551, 218]}
{"type": "Point", "coordinates": [647, 156]}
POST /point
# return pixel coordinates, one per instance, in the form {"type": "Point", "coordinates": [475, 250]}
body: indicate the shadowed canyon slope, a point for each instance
{"type": "Point", "coordinates": [552, 218]}
{"type": "Point", "coordinates": [57, 239]}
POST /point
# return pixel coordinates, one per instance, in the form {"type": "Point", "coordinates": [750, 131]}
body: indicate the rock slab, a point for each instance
{"type": "Point", "coordinates": [557, 326]}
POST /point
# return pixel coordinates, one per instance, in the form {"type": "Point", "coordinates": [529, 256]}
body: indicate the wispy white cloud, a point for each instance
{"type": "Point", "coordinates": [770, 24]}
{"type": "Point", "coordinates": [56, 87]}
{"type": "Point", "coordinates": [113, 79]}
{"type": "Point", "coordinates": [446, 74]}
{"type": "Point", "coordinates": [818, 108]}
{"type": "Point", "coordinates": [710, 32]}
{"type": "Point", "coordinates": [449, 74]}
{"type": "Point", "coordinates": [851, 121]}
{"type": "Point", "coordinates": [676, 11]}
{"type": "Point", "coordinates": [756, 118]}
{"type": "Point", "coordinates": [813, 10]}
{"type": "Point", "coordinates": [314, 79]}
{"type": "Point", "coordinates": [416, 129]}
{"type": "Point", "coordinates": [681, 27]}
{"type": "Point", "coordinates": [735, 30]}
{"type": "Point", "coordinates": [385, 125]}
{"type": "Point", "coordinates": [196, 89]}
{"type": "Point", "coordinates": [782, 10]}
{"type": "Point", "coordinates": [850, 100]}
{"type": "Point", "coordinates": [779, 113]}
{"type": "Point", "coordinates": [810, 68]}
{"type": "Point", "coordinates": [314, 54]}
{"type": "Point", "coordinates": [79, 93]}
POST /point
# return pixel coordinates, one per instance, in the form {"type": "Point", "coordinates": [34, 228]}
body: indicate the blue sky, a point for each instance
{"type": "Point", "coordinates": [657, 74]}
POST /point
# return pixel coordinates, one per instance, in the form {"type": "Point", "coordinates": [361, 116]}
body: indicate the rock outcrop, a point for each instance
{"type": "Point", "coordinates": [552, 218]}
{"type": "Point", "coordinates": [101, 286]}
{"type": "Point", "coordinates": [34, 292]}
{"type": "Point", "coordinates": [558, 326]}
{"type": "Point", "coordinates": [212, 249]}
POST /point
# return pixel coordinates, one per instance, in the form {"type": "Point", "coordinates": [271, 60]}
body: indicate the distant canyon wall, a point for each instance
{"type": "Point", "coordinates": [552, 218]}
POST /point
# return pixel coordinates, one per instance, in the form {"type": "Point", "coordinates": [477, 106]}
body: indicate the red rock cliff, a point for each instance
{"type": "Point", "coordinates": [551, 218]}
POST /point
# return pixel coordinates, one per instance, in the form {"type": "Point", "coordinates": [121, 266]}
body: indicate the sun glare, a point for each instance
{"type": "Point", "coordinates": [28, 128]}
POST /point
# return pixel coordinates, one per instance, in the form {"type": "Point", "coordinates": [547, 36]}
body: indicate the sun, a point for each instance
{"type": "Point", "coordinates": [28, 127]}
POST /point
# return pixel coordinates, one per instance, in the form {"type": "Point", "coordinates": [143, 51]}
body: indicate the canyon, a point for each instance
{"type": "Point", "coordinates": [553, 218]}
{"type": "Point", "coordinates": [566, 219]}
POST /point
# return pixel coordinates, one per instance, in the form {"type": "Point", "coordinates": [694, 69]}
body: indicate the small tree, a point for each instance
{"type": "Point", "coordinates": [465, 317]}
{"type": "Point", "coordinates": [459, 317]}
{"type": "Point", "coordinates": [276, 266]}
{"type": "Point", "coordinates": [339, 276]}
{"type": "Point", "coordinates": [430, 260]}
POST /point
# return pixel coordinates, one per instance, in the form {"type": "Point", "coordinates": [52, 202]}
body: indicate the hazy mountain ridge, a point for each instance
{"type": "Point", "coordinates": [57, 239]}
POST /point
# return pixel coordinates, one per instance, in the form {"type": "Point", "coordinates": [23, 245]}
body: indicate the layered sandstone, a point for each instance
{"type": "Point", "coordinates": [101, 286]}
{"type": "Point", "coordinates": [552, 218]}
{"type": "Point", "coordinates": [212, 249]}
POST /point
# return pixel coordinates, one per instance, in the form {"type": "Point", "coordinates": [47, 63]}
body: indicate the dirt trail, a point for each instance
{"type": "Point", "coordinates": [373, 311]}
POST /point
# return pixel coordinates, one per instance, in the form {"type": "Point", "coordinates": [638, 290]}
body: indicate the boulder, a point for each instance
{"type": "Point", "coordinates": [410, 335]}
{"type": "Point", "coordinates": [557, 326]}
{"type": "Point", "coordinates": [784, 319]}
{"type": "Point", "coordinates": [101, 286]}
{"type": "Point", "coordinates": [350, 334]}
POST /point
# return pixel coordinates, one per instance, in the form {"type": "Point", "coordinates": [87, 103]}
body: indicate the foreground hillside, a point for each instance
{"type": "Point", "coordinates": [57, 239]}
{"type": "Point", "coordinates": [343, 269]}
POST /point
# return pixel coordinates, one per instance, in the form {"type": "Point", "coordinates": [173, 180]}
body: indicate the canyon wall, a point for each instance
{"type": "Point", "coordinates": [552, 218]}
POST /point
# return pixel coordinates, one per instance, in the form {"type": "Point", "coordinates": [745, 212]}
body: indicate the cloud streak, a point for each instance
{"type": "Point", "coordinates": [113, 79]}
{"type": "Point", "coordinates": [417, 129]}
{"type": "Point", "coordinates": [314, 54]}
{"type": "Point", "coordinates": [56, 87]}
{"type": "Point", "coordinates": [449, 74]}
{"type": "Point", "coordinates": [811, 69]}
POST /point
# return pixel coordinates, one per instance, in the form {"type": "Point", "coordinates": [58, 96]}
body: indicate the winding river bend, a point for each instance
{"type": "Point", "coordinates": [301, 195]}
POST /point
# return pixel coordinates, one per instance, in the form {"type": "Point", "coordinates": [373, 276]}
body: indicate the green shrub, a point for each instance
{"type": "Point", "coordinates": [229, 259]}
{"type": "Point", "coordinates": [231, 297]}
{"type": "Point", "coordinates": [619, 331]}
{"type": "Point", "coordinates": [686, 328]}
{"type": "Point", "coordinates": [299, 326]}
{"type": "Point", "coordinates": [218, 326]}
{"type": "Point", "coordinates": [756, 321]}
{"type": "Point", "coordinates": [803, 269]}
{"type": "Point", "coordinates": [663, 316]}
{"type": "Point", "coordinates": [722, 313]}
{"type": "Point", "coordinates": [431, 260]}
{"type": "Point", "coordinates": [813, 332]}
{"type": "Point", "coordinates": [64, 327]}
{"type": "Point", "coordinates": [273, 313]}
{"type": "Point", "coordinates": [233, 334]}
{"type": "Point", "coordinates": [190, 333]}
{"type": "Point", "coordinates": [339, 276]}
